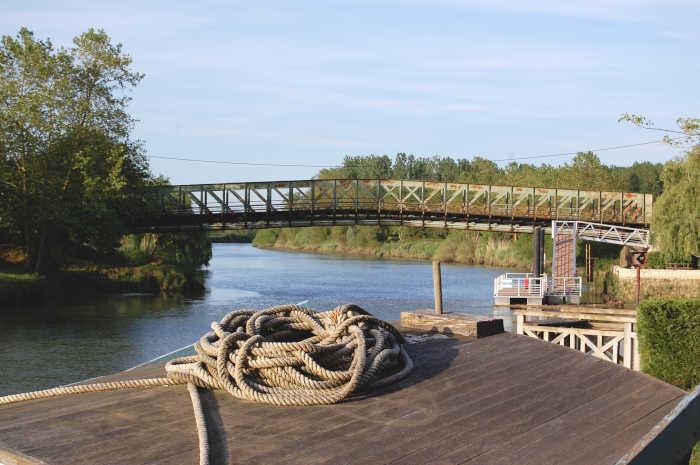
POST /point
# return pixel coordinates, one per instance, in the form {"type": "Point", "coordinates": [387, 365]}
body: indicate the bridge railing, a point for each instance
{"type": "Point", "coordinates": [519, 285]}
{"type": "Point", "coordinates": [398, 199]}
{"type": "Point", "coordinates": [565, 286]}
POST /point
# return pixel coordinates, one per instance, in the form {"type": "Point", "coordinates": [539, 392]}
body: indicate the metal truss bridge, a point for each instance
{"type": "Point", "coordinates": [321, 202]}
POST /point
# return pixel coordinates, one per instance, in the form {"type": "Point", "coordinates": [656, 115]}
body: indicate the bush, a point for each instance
{"type": "Point", "coordinates": [266, 237]}
{"type": "Point", "coordinates": [661, 259]}
{"type": "Point", "coordinates": [669, 340]}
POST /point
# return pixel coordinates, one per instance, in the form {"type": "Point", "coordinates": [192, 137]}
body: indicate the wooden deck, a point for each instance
{"type": "Point", "coordinates": [499, 400]}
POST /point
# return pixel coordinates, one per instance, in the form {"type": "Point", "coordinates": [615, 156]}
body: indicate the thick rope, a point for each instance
{"type": "Point", "coordinates": [285, 355]}
{"type": "Point", "coordinates": [290, 355]}
{"type": "Point", "coordinates": [201, 423]}
{"type": "Point", "coordinates": [92, 387]}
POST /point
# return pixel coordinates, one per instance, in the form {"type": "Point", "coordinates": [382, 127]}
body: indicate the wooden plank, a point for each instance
{"type": "Point", "coordinates": [452, 323]}
{"type": "Point", "coordinates": [672, 438]}
{"type": "Point", "coordinates": [500, 397]}
{"type": "Point", "coordinates": [484, 400]}
{"type": "Point", "coordinates": [588, 423]}
{"type": "Point", "coordinates": [578, 315]}
{"type": "Point", "coordinates": [500, 416]}
{"type": "Point", "coordinates": [569, 330]}
{"type": "Point", "coordinates": [603, 310]}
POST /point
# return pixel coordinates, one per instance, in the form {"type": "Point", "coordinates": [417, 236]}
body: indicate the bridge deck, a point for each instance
{"type": "Point", "coordinates": [499, 400]}
{"type": "Point", "coordinates": [386, 201]}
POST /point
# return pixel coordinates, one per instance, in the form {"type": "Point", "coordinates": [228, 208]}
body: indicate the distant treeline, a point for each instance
{"type": "Point", "coordinates": [674, 184]}
{"type": "Point", "coordinates": [585, 171]}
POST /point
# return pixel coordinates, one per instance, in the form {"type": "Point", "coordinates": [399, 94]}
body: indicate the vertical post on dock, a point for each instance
{"type": "Point", "coordinates": [538, 251]}
{"type": "Point", "coordinates": [589, 263]}
{"type": "Point", "coordinates": [437, 287]}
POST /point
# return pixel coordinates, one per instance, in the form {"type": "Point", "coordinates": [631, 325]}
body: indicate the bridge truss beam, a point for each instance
{"type": "Point", "coordinates": [390, 202]}
{"type": "Point", "coordinates": [607, 233]}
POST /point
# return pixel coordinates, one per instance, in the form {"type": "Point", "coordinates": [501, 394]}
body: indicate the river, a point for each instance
{"type": "Point", "coordinates": [57, 344]}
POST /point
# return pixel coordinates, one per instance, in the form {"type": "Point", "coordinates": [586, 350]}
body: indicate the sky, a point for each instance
{"type": "Point", "coordinates": [310, 82]}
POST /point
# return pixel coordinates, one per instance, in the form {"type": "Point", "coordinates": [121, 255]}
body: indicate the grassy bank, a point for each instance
{"type": "Point", "coordinates": [21, 288]}
{"type": "Point", "coordinates": [466, 247]}
{"type": "Point", "coordinates": [232, 236]}
{"type": "Point", "coordinates": [142, 263]}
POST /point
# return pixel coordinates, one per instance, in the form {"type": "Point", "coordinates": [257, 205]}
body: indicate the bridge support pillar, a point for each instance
{"type": "Point", "coordinates": [563, 265]}
{"type": "Point", "coordinates": [563, 253]}
{"type": "Point", "coordinates": [538, 251]}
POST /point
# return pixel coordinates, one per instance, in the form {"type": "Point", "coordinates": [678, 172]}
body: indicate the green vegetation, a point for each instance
{"type": "Point", "coordinates": [676, 219]}
{"type": "Point", "coordinates": [234, 236]}
{"type": "Point", "coordinates": [71, 175]}
{"type": "Point", "coordinates": [676, 213]}
{"type": "Point", "coordinates": [143, 262]}
{"type": "Point", "coordinates": [495, 249]}
{"type": "Point", "coordinates": [669, 344]}
{"type": "Point", "coordinates": [17, 287]}
{"type": "Point", "coordinates": [65, 176]}
{"type": "Point", "coordinates": [584, 172]}
{"type": "Point", "coordinates": [669, 340]}
{"type": "Point", "coordinates": [469, 247]}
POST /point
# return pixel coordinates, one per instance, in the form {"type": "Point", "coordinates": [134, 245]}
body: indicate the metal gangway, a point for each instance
{"type": "Point", "coordinates": [510, 288]}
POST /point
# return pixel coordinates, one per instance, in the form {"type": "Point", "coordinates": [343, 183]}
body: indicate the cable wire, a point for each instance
{"type": "Point", "coordinates": [310, 165]}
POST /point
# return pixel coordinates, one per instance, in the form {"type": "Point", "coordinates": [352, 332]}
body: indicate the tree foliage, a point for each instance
{"type": "Point", "coordinates": [669, 340]}
{"type": "Point", "coordinates": [688, 132]}
{"type": "Point", "coordinates": [676, 220]}
{"type": "Point", "coordinates": [585, 171]}
{"type": "Point", "coordinates": [68, 161]}
{"type": "Point", "coordinates": [70, 172]}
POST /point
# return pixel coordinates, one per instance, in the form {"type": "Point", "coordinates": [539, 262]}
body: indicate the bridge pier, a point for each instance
{"type": "Point", "coordinates": [538, 251]}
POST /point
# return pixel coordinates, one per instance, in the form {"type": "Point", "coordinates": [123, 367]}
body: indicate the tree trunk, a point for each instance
{"type": "Point", "coordinates": [40, 259]}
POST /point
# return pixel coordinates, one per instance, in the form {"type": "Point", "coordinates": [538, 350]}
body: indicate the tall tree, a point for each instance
{"type": "Point", "coordinates": [69, 166]}
{"type": "Point", "coordinates": [676, 222]}
{"type": "Point", "coordinates": [688, 132]}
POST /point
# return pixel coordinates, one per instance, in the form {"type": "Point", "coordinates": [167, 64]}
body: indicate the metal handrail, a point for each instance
{"type": "Point", "coordinates": [565, 286]}
{"type": "Point", "coordinates": [526, 286]}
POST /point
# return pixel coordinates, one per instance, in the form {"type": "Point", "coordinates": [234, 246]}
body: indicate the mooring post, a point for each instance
{"type": "Point", "coordinates": [538, 251]}
{"type": "Point", "coordinates": [437, 287]}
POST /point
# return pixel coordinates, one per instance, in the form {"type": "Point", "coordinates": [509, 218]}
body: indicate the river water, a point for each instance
{"type": "Point", "coordinates": [57, 344]}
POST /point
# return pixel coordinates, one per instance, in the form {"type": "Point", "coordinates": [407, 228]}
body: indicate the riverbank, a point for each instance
{"type": "Point", "coordinates": [84, 281]}
{"type": "Point", "coordinates": [460, 247]}
{"type": "Point", "coordinates": [151, 263]}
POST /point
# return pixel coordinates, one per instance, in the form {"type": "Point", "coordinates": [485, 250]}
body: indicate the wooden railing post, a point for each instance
{"type": "Point", "coordinates": [636, 365]}
{"type": "Point", "coordinates": [519, 323]}
{"type": "Point", "coordinates": [627, 345]}
{"type": "Point", "coordinates": [437, 287]}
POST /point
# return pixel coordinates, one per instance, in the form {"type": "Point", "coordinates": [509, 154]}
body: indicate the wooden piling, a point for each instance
{"type": "Point", "coordinates": [437, 287]}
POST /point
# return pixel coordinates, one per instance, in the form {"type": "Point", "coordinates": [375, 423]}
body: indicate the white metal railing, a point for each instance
{"type": "Point", "coordinates": [563, 286]}
{"type": "Point", "coordinates": [519, 285]}
{"type": "Point", "coordinates": [600, 232]}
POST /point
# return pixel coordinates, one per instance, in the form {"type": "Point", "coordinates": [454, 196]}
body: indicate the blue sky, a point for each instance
{"type": "Point", "coordinates": [308, 82]}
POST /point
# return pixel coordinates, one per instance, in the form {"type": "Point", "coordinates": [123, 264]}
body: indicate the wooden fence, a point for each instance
{"type": "Point", "coordinates": [609, 334]}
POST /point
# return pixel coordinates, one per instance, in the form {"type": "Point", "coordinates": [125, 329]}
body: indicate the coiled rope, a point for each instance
{"type": "Point", "coordinates": [284, 355]}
